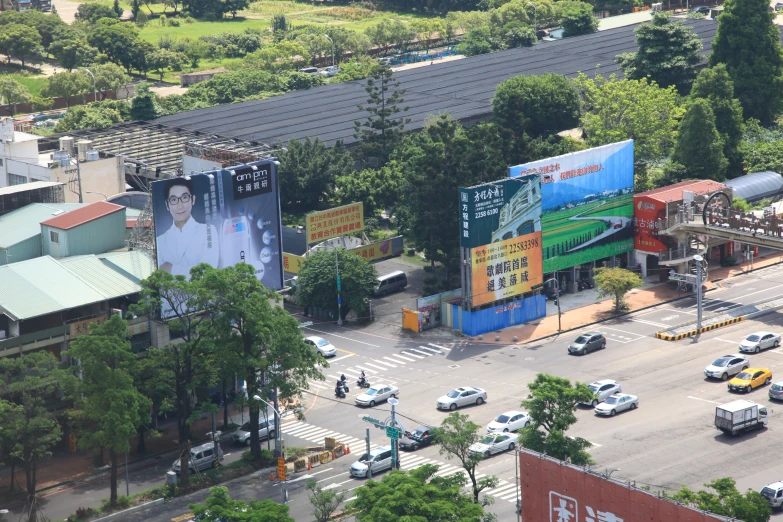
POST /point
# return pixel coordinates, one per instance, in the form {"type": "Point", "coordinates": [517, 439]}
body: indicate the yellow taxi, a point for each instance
{"type": "Point", "coordinates": [750, 378]}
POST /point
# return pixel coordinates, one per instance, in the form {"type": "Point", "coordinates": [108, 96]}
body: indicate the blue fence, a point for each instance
{"type": "Point", "coordinates": [501, 316]}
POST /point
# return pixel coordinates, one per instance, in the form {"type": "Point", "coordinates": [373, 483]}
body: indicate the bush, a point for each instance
{"type": "Point", "coordinates": [189, 20]}
{"type": "Point", "coordinates": [141, 19]}
{"type": "Point", "coordinates": [729, 261]}
{"type": "Point", "coordinates": [174, 22]}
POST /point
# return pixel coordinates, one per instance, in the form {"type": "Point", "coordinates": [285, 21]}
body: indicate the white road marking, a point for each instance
{"type": "Point", "coordinates": [395, 361]}
{"type": "Point", "coordinates": [735, 343]}
{"type": "Point", "coordinates": [311, 383]}
{"type": "Point", "coordinates": [352, 375]}
{"type": "Point", "coordinates": [412, 354]}
{"type": "Point", "coordinates": [341, 358]}
{"type": "Point", "coordinates": [500, 489]}
{"type": "Point", "coordinates": [322, 471]}
{"type": "Point", "coordinates": [334, 476]}
{"type": "Point", "coordinates": [382, 362]}
{"type": "Point", "coordinates": [439, 346]}
{"type": "Point", "coordinates": [403, 358]}
{"type": "Point", "coordinates": [644, 321]}
{"type": "Point", "coordinates": [704, 400]}
{"type": "Point", "coordinates": [378, 367]}
{"type": "Point", "coordinates": [776, 351]}
{"type": "Point", "coordinates": [418, 351]}
{"type": "Point", "coordinates": [341, 337]}
{"type": "Point", "coordinates": [431, 350]}
{"type": "Point", "coordinates": [365, 369]}
{"type": "Point", "coordinates": [636, 335]}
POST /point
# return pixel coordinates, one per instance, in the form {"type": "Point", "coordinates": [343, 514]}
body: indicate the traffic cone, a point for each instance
{"type": "Point", "coordinates": [272, 476]}
{"type": "Point", "coordinates": [309, 466]}
{"type": "Point", "coordinates": [347, 449]}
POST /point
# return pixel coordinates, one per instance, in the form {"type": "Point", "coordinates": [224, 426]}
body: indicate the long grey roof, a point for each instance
{"type": "Point", "coordinates": [757, 186]}
{"type": "Point", "coordinates": [463, 88]}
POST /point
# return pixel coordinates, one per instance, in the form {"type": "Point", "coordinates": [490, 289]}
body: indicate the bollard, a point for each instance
{"type": "Point", "coordinates": [497, 337]}
{"type": "Point", "coordinates": [515, 339]}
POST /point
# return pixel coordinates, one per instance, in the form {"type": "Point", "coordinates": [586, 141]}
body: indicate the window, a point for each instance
{"type": "Point", "coordinates": [1, 162]}
{"type": "Point", "coordinates": [13, 179]}
{"type": "Point", "coordinates": [54, 237]}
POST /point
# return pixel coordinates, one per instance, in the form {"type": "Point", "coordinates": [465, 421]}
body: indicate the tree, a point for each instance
{"type": "Point", "coordinates": [11, 415]}
{"type": "Point", "coordinates": [714, 85]}
{"type": "Point", "coordinates": [455, 437]}
{"type": "Point", "coordinates": [517, 34]}
{"type": "Point", "coordinates": [725, 500]}
{"type": "Point", "coordinates": [616, 282]}
{"type": "Point", "coordinates": [234, 6]}
{"type": "Point", "coordinates": [377, 188]}
{"type": "Point", "coordinates": [699, 145]}
{"type": "Point", "coordinates": [117, 9]}
{"type": "Point", "coordinates": [308, 170]}
{"type": "Point", "coordinates": [73, 51]}
{"type": "Point", "coordinates": [13, 92]}
{"type": "Point", "coordinates": [551, 404]}
{"type": "Point", "coordinates": [538, 104]}
{"type": "Point", "coordinates": [163, 59]}
{"type": "Point", "coordinates": [577, 18]}
{"type": "Point", "coordinates": [65, 85]}
{"type": "Point", "coordinates": [219, 506]}
{"type": "Point", "coordinates": [108, 406]}
{"type": "Point", "coordinates": [117, 41]}
{"type": "Point", "coordinates": [383, 129]}
{"type": "Point", "coordinates": [282, 56]}
{"type": "Point", "coordinates": [93, 116]}
{"type": "Point", "coordinates": [324, 501]}
{"type": "Point", "coordinates": [616, 110]}
{"type": "Point", "coordinates": [668, 52]}
{"type": "Point", "coordinates": [143, 106]}
{"type": "Point", "coordinates": [261, 339]}
{"type": "Point", "coordinates": [477, 41]}
{"type": "Point", "coordinates": [22, 43]}
{"type": "Point", "coordinates": [748, 42]}
{"type": "Point", "coordinates": [109, 77]}
{"type": "Point", "coordinates": [317, 282]}
{"type": "Point", "coordinates": [93, 12]}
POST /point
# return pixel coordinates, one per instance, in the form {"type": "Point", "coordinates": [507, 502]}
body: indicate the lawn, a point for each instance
{"type": "Point", "coordinates": [33, 83]}
{"type": "Point", "coordinates": [154, 30]}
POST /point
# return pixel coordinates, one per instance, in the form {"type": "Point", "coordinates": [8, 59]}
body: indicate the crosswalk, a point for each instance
{"type": "Point", "coordinates": [375, 367]}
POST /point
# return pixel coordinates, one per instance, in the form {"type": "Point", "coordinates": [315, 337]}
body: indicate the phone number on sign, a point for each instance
{"type": "Point", "coordinates": [514, 248]}
{"type": "Point", "coordinates": [485, 213]}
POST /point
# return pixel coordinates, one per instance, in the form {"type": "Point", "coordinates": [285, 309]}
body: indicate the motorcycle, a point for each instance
{"type": "Point", "coordinates": [339, 392]}
{"type": "Point", "coordinates": [363, 383]}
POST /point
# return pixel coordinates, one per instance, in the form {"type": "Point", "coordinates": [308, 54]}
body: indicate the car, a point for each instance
{"type": "Point", "coordinates": [266, 430]}
{"type": "Point", "coordinates": [725, 366]}
{"type": "Point", "coordinates": [376, 460]}
{"type": "Point", "coordinates": [778, 6]}
{"type": "Point", "coordinates": [309, 70]}
{"type": "Point", "coordinates": [776, 391]}
{"type": "Point", "coordinates": [703, 9]}
{"type": "Point", "coordinates": [588, 342]}
{"type": "Point", "coordinates": [332, 70]}
{"type": "Point", "coordinates": [418, 438]}
{"type": "Point", "coordinates": [774, 493]}
{"type": "Point", "coordinates": [509, 421]}
{"type": "Point", "coordinates": [385, 61]}
{"type": "Point", "coordinates": [376, 394]}
{"type": "Point", "coordinates": [751, 378]}
{"type": "Point", "coordinates": [602, 390]}
{"type": "Point", "coordinates": [321, 346]}
{"type": "Point", "coordinates": [461, 397]}
{"type": "Point", "coordinates": [759, 341]}
{"type": "Point", "coordinates": [494, 443]}
{"type": "Point", "coordinates": [201, 458]}
{"type": "Point", "coordinates": [618, 224]}
{"type": "Point", "coordinates": [617, 403]}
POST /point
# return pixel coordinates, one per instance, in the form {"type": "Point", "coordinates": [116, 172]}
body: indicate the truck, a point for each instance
{"type": "Point", "coordinates": [739, 416]}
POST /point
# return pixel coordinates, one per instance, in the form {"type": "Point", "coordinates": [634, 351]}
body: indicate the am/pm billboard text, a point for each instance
{"type": "Point", "coordinates": [334, 222]}
{"type": "Point", "coordinates": [587, 204]}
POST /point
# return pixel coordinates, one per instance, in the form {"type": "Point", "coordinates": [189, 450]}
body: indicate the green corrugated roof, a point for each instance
{"type": "Point", "coordinates": [24, 223]}
{"type": "Point", "coordinates": [134, 264]}
{"type": "Point", "coordinates": [95, 273]}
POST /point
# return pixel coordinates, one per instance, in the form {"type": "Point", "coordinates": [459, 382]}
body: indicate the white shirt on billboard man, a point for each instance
{"type": "Point", "coordinates": [186, 243]}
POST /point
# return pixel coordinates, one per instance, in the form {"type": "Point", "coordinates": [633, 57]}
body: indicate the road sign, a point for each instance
{"type": "Point", "coordinates": [281, 468]}
{"type": "Point", "coordinates": [339, 299]}
{"type": "Point", "coordinates": [394, 454]}
{"type": "Point", "coordinates": [338, 283]}
{"type": "Point", "coordinates": [392, 432]}
{"type": "Point", "coordinates": [305, 324]}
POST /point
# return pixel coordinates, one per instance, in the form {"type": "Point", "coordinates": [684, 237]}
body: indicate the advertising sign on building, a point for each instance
{"type": "Point", "coordinates": [647, 212]}
{"type": "Point", "coordinates": [506, 268]}
{"type": "Point", "coordinates": [334, 222]}
{"type": "Point", "coordinates": [221, 218]}
{"type": "Point", "coordinates": [292, 263]}
{"type": "Point", "coordinates": [376, 251]}
{"type": "Point", "coordinates": [587, 204]}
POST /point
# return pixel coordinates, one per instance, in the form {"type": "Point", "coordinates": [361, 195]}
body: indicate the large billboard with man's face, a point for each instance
{"type": "Point", "coordinates": [221, 218]}
{"type": "Point", "coordinates": [587, 204]}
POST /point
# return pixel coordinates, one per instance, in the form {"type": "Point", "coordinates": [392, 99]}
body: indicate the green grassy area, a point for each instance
{"type": "Point", "coordinates": [154, 30]}
{"type": "Point", "coordinates": [33, 83]}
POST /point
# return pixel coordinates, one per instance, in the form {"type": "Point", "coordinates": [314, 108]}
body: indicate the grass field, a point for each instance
{"type": "Point", "coordinates": [33, 83]}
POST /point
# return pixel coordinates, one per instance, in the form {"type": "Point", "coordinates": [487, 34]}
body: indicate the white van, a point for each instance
{"type": "Point", "coordinates": [201, 458]}
{"type": "Point", "coordinates": [389, 283]}
{"type": "Point", "coordinates": [376, 461]}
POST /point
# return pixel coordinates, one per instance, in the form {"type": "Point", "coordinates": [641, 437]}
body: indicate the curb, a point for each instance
{"type": "Point", "coordinates": [691, 333]}
{"type": "Point", "coordinates": [128, 511]}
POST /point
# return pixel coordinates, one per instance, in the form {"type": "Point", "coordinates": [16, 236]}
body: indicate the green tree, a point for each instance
{"type": "Point", "coordinates": [538, 104]}
{"type": "Point", "coordinates": [699, 145]}
{"type": "Point", "coordinates": [551, 403]}
{"type": "Point", "coordinates": [577, 18]}
{"type": "Point", "coordinates": [263, 339]}
{"type": "Point", "coordinates": [13, 92]}
{"type": "Point", "coordinates": [317, 282]}
{"type": "Point", "coordinates": [455, 436]}
{"type": "Point", "coordinates": [144, 106]}
{"type": "Point", "coordinates": [616, 282]}
{"type": "Point", "coordinates": [616, 110]}
{"type": "Point", "coordinates": [93, 116]}
{"type": "Point", "coordinates": [282, 56]}
{"type": "Point", "coordinates": [383, 129]}
{"type": "Point", "coordinates": [477, 41]}
{"type": "Point", "coordinates": [219, 506]}
{"type": "Point", "coordinates": [714, 85]}
{"type": "Point", "coordinates": [308, 170]}
{"type": "Point", "coordinates": [163, 59]}
{"type": "Point", "coordinates": [668, 52]}
{"type": "Point", "coordinates": [109, 77]}
{"type": "Point", "coordinates": [117, 9]}
{"type": "Point", "coordinates": [11, 415]}
{"type": "Point", "coordinates": [377, 188]}
{"type": "Point", "coordinates": [518, 34]}
{"type": "Point", "coordinates": [325, 502]}
{"type": "Point", "coordinates": [117, 41]}
{"type": "Point", "coordinates": [93, 12]}
{"type": "Point", "coordinates": [725, 500]}
{"type": "Point", "coordinates": [65, 85]}
{"type": "Point", "coordinates": [73, 52]}
{"type": "Point", "coordinates": [108, 406]}
{"type": "Point", "coordinates": [748, 42]}
{"type": "Point", "coordinates": [22, 43]}
{"type": "Point", "coordinates": [155, 382]}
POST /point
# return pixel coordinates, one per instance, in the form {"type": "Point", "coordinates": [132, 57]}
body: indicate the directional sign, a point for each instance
{"type": "Point", "coordinates": [281, 468]}
{"type": "Point", "coordinates": [305, 324]}
{"type": "Point", "coordinates": [392, 433]}
{"type": "Point", "coordinates": [374, 422]}
{"type": "Point", "coordinates": [339, 300]}
{"type": "Point", "coordinates": [338, 283]}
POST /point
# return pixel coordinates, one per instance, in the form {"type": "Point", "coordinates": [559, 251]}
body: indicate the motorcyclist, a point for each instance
{"type": "Point", "coordinates": [338, 389]}
{"type": "Point", "coordinates": [362, 379]}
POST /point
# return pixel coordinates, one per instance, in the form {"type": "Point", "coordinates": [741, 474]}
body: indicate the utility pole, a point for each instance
{"type": "Point", "coordinates": [698, 260]}
{"type": "Point", "coordinates": [367, 438]}
{"type": "Point", "coordinates": [395, 441]}
{"type": "Point", "coordinates": [127, 479]}
{"type": "Point", "coordinates": [339, 298]}
{"type": "Point", "coordinates": [330, 39]}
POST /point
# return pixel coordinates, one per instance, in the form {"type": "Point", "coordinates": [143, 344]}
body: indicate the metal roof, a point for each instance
{"type": "Point", "coordinates": [757, 186]}
{"type": "Point", "coordinates": [671, 193]}
{"type": "Point", "coordinates": [135, 264]}
{"type": "Point", "coordinates": [24, 223]}
{"type": "Point", "coordinates": [83, 215]}
{"type": "Point", "coordinates": [24, 187]}
{"type": "Point", "coordinates": [463, 88]}
{"type": "Point", "coordinates": [100, 276]}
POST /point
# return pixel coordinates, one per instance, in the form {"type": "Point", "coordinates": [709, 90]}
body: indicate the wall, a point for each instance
{"type": "Point", "coordinates": [32, 171]}
{"type": "Point", "coordinates": [104, 176]}
{"type": "Point", "coordinates": [30, 248]}
{"type": "Point", "coordinates": [98, 236]}
{"type": "Point", "coordinates": [48, 248]}
{"type": "Point", "coordinates": [497, 317]}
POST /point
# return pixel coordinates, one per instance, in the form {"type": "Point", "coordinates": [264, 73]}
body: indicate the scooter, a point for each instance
{"type": "Point", "coordinates": [339, 392]}
{"type": "Point", "coordinates": [363, 383]}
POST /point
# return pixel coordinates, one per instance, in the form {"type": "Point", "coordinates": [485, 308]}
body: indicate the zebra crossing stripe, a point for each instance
{"type": "Point", "coordinates": [378, 367]}
{"type": "Point", "coordinates": [433, 350]}
{"type": "Point", "coordinates": [418, 351]}
{"type": "Point", "coordinates": [384, 363]}
{"type": "Point", "coordinates": [297, 429]}
{"type": "Point", "coordinates": [394, 361]}
{"type": "Point", "coordinates": [359, 369]}
{"type": "Point", "coordinates": [412, 355]}
{"type": "Point", "coordinates": [404, 358]}
{"type": "Point", "coordinates": [439, 347]}
{"type": "Point", "coordinates": [502, 490]}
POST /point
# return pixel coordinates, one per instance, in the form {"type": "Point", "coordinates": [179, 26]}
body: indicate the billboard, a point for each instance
{"type": "Point", "coordinates": [292, 263]}
{"type": "Point", "coordinates": [505, 268]}
{"type": "Point", "coordinates": [647, 212]}
{"type": "Point", "coordinates": [553, 491]}
{"type": "Point", "coordinates": [334, 222]}
{"type": "Point", "coordinates": [587, 200]}
{"type": "Point", "coordinates": [220, 218]}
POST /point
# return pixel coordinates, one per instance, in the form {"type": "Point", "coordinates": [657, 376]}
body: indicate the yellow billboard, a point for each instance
{"type": "Point", "coordinates": [374, 251]}
{"type": "Point", "coordinates": [292, 263]}
{"type": "Point", "coordinates": [506, 268]}
{"type": "Point", "coordinates": [334, 222]}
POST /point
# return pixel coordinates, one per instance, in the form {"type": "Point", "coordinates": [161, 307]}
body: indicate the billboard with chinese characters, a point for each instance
{"type": "Point", "coordinates": [221, 218]}
{"type": "Point", "coordinates": [552, 491]}
{"type": "Point", "coordinates": [506, 268]}
{"type": "Point", "coordinates": [647, 212]}
{"type": "Point", "coordinates": [380, 250]}
{"type": "Point", "coordinates": [334, 222]}
{"type": "Point", "coordinates": [587, 199]}
{"type": "Point", "coordinates": [292, 263]}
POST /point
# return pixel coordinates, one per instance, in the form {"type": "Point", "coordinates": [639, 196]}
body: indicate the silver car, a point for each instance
{"type": "Point", "coordinates": [602, 390]}
{"type": "Point", "coordinates": [201, 458]}
{"type": "Point", "coordinates": [724, 367]}
{"type": "Point", "coordinates": [588, 342]}
{"type": "Point", "coordinates": [321, 346]}
{"type": "Point", "coordinates": [759, 341]}
{"type": "Point", "coordinates": [377, 394]}
{"type": "Point", "coordinates": [266, 430]}
{"type": "Point", "coordinates": [617, 403]}
{"type": "Point", "coordinates": [494, 443]}
{"type": "Point", "coordinates": [377, 460]}
{"type": "Point", "coordinates": [776, 391]}
{"type": "Point", "coordinates": [462, 396]}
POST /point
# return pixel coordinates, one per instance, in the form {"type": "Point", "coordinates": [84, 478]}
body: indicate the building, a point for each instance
{"type": "Point", "coordinates": [757, 186]}
{"type": "Point", "coordinates": [93, 229]}
{"type": "Point", "coordinates": [521, 215]}
{"type": "Point", "coordinates": [20, 230]}
{"type": "Point", "coordinates": [18, 196]}
{"type": "Point", "coordinates": [19, 162]}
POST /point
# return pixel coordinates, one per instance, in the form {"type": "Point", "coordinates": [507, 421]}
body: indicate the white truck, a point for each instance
{"type": "Point", "coordinates": [739, 416]}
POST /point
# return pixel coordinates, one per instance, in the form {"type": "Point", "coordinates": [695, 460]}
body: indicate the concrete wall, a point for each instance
{"type": "Point", "coordinates": [103, 176]}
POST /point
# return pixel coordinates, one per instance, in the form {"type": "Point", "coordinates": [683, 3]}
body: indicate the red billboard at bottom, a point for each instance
{"type": "Point", "coordinates": [556, 492]}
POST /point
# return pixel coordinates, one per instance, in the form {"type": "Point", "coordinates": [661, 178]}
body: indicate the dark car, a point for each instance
{"type": "Point", "coordinates": [703, 9]}
{"type": "Point", "coordinates": [588, 342]}
{"type": "Point", "coordinates": [418, 438]}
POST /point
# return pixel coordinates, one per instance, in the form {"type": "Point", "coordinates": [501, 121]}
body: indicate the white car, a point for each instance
{"type": "Point", "coordinates": [462, 396]}
{"type": "Point", "coordinates": [377, 394]}
{"type": "Point", "coordinates": [759, 341]}
{"type": "Point", "coordinates": [331, 71]}
{"type": "Point", "coordinates": [617, 403]}
{"type": "Point", "coordinates": [602, 390]}
{"type": "Point", "coordinates": [494, 443]}
{"type": "Point", "coordinates": [724, 367]}
{"type": "Point", "coordinates": [321, 346]}
{"type": "Point", "coordinates": [509, 421]}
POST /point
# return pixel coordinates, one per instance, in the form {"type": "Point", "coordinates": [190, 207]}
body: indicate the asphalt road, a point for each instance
{"type": "Point", "coordinates": [669, 441]}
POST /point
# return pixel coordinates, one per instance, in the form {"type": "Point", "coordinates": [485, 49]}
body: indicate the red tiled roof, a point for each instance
{"type": "Point", "coordinates": [83, 215]}
{"type": "Point", "coordinates": [671, 193]}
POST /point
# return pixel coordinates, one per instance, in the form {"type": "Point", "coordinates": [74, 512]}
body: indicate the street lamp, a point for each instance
{"type": "Point", "coordinates": [535, 17]}
{"type": "Point", "coordinates": [557, 289]}
{"type": "Point", "coordinates": [98, 193]}
{"type": "Point", "coordinates": [278, 441]}
{"type": "Point", "coordinates": [698, 260]}
{"type": "Point", "coordinates": [330, 39]}
{"type": "Point", "coordinates": [395, 442]}
{"type": "Point", "coordinates": [94, 92]}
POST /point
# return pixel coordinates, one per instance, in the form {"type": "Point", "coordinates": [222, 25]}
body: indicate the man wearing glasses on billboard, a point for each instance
{"type": "Point", "coordinates": [187, 242]}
